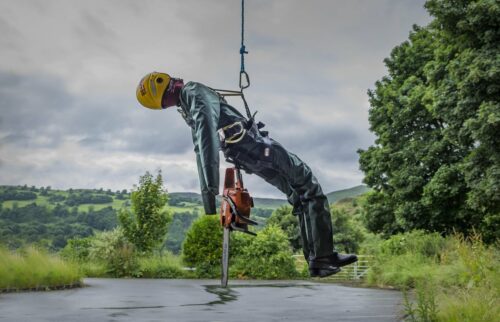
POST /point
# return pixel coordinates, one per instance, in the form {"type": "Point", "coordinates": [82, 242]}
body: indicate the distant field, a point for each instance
{"type": "Point", "coordinates": [49, 218]}
{"type": "Point", "coordinates": [178, 201]}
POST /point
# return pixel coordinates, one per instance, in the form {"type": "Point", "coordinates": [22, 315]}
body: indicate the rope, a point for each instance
{"type": "Point", "coordinates": [243, 74]}
{"type": "Point", "coordinates": [244, 79]}
{"type": "Point", "coordinates": [242, 48]}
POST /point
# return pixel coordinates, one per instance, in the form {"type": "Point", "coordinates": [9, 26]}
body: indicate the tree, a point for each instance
{"type": "Point", "coordinates": [435, 164]}
{"type": "Point", "coordinates": [178, 228]}
{"type": "Point", "coordinates": [146, 226]}
{"type": "Point", "coordinates": [347, 232]}
{"type": "Point", "coordinates": [289, 223]}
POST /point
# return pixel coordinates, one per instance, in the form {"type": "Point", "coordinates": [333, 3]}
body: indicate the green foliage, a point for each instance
{"type": "Point", "coordinates": [86, 197]}
{"type": "Point", "coordinates": [51, 226]}
{"type": "Point", "coordinates": [31, 268]}
{"type": "Point", "coordinates": [183, 198]}
{"type": "Point", "coordinates": [164, 266]}
{"type": "Point", "coordinates": [93, 268]}
{"type": "Point", "coordinates": [39, 224]}
{"type": "Point", "coordinates": [123, 262]}
{"type": "Point", "coordinates": [147, 224]}
{"type": "Point", "coordinates": [77, 249]}
{"type": "Point", "coordinates": [262, 212]}
{"type": "Point", "coordinates": [435, 164]}
{"type": "Point", "coordinates": [267, 256]}
{"type": "Point", "coordinates": [406, 259]}
{"type": "Point", "coordinates": [202, 247]}
{"type": "Point", "coordinates": [12, 193]}
{"type": "Point", "coordinates": [177, 230]}
{"type": "Point", "coordinates": [284, 218]}
{"type": "Point", "coordinates": [426, 308]}
{"type": "Point", "coordinates": [110, 254]}
{"type": "Point", "coordinates": [347, 232]}
{"type": "Point", "coordinates": [118, 254]}
{"type": "Point", "coordinates": [415, 242]}
{"type": "Point", "coordinates": [455, 278]}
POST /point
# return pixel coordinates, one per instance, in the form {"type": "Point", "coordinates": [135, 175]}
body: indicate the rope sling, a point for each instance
{"type": "Point", "coordinates": [244, 79]}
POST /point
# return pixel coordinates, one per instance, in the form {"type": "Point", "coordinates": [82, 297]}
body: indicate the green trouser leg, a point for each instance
{"type": "Point", "coordinates": [293, 177]}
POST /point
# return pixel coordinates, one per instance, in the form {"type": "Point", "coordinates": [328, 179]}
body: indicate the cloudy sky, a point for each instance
{"type": "Point", "coordinates": [68, 72]}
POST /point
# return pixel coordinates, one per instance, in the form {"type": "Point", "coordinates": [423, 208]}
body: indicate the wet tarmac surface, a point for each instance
{"type": "Point", "coordinates": [204, 301]}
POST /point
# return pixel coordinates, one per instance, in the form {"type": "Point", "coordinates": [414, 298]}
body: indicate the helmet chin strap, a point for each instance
{"type": "Point", "coordinates": [171, 96]}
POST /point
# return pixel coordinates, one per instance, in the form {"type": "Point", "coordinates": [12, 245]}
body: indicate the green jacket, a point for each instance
{"type": "Point", "coordinates": [206, 112]}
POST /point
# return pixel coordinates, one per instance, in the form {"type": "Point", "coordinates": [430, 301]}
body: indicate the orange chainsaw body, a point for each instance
{"type": "Point", "coordinates": [236, 202]}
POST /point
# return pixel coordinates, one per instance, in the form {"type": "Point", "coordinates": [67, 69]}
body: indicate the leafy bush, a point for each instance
{"type": "Point", "coordinates": [415, 242]}
{"type": "Point", "coordinates": [347, 233]}
{"type": "Point", "coordinates": [77, 249]}
{"type": "Point", "coordinates": [405, 259]}
{"type": "Point", "coordinates": [289, 223]}
{"type": "Point", "coordinates": [267, 256]}
{"type": "Point", "coordinates": [202, 247]}
{"type": "Point", "coordinates": [123, 262]}
{"type": "Point", "coordinates": [112, 248]}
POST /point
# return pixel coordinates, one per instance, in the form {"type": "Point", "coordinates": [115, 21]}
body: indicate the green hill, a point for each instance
{"type": "Point", "coordinates": [186, 198]}
{"type": "Point", "coordinates": [50, 217]}
{"type": "Point", "coordinates": [83, 199]}
{"type": "Point", "coordinates": [335, 196]}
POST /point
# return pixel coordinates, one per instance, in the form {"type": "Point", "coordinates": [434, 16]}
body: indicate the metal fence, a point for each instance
{"type": "Point", "coordinates": [354, 271]}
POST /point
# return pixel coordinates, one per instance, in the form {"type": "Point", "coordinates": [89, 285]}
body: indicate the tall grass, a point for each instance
{"type": "Point", "coordinates": [476, 294]}
{"type": "Point", "coordinates": [453, 278]}
{"type": "Point", "coordinates": [30, 268]}
{"type": "Point", "coordinates": [109, 254]}
{"type": "Point", "coordinates": [166, 265]}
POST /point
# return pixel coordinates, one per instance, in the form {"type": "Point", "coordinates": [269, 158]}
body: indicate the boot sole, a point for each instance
{"type": "Point", "coordinates": [318, 272]}
{"type": "Point", "coordinates": [354, 260]}
{"type": "Point", "coordinates": [324, 265]}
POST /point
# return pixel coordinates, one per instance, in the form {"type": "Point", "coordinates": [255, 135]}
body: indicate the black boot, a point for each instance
{"type": "Point", "coordinates": [324, 271]}
{"type": "Point", "coordinates": [329, 265]}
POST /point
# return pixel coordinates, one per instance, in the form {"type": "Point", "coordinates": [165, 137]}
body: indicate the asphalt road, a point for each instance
{"type": "Point", "coordinates": [202, 300]}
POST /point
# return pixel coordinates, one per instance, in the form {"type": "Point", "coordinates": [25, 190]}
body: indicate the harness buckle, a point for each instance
{"type": "Point", "coordinates": [232, 133]}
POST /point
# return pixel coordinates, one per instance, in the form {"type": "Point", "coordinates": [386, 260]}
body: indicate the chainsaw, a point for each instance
{"type": "Point", "coordinates": [235, 209]}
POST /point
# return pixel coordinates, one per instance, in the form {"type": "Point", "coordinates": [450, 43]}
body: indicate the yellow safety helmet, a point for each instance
{"type": "Point", "coordinates": [151, 88]}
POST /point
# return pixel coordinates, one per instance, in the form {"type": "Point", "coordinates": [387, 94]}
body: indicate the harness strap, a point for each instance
{"type": "Point", "coordinates": [225, 92]}
{"type": "Point", "coordinates": [232, 133]}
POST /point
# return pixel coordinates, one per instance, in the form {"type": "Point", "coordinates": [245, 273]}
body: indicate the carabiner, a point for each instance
{"type": "Point", "coordinates": [244, 78]}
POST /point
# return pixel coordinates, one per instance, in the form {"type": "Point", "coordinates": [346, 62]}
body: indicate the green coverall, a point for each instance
{"type": "Point", "coordinates": [206, 112]}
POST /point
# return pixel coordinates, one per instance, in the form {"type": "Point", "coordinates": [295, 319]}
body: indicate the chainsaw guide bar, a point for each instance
{"type": "Point", "coordinates": [234, 214]}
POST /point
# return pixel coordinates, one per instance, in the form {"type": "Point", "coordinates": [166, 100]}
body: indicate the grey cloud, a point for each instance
{"type": "Point", "coordinates": [40, 106]}
{"type": "Point", "coordinates": [9, 33]}
{"type": "Point", "coordinates": [15, 139]}
{"type": "Point", "coordinates": [94, 33]}
{"type": "Point", "coordinates": [69, 70]}
{"type": "Point", "coordinates": [324, 145]}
